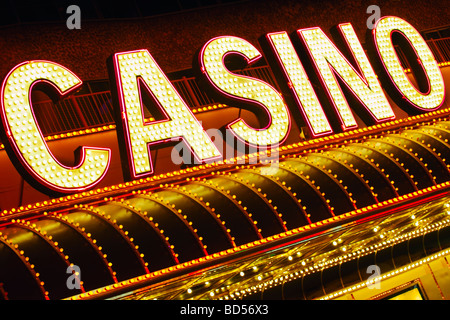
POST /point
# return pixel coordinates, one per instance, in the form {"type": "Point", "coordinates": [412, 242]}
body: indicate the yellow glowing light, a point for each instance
{"type": "Point", "coordinates": [300, 84]}
{"type": "Point", "coordinates": [25, 137]}
{"type": "Point", "coordinates": [246, 89]}
{"type": "Point", "coordinates": [434, 98]}
{"type": "Point", "coordinates": [139, 134]}
{"type": "Point", "coordinates": [330, 62]}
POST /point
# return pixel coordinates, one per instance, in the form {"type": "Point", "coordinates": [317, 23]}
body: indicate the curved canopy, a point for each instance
{"type": "Point", "coordinates": [124, 237]}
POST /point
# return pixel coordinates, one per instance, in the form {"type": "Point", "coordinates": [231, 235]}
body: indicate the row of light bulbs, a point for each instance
{"type": "Point", "coordinates": [343, 258]}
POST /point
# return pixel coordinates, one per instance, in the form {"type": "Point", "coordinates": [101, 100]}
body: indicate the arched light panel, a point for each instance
{"type": "Point", "coordinates": [125, 236]}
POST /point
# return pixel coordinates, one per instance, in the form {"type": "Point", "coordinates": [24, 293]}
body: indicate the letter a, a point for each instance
{"type": "Point", "coordinates": [131, 69]}
{"type": "Point", "coordinates": [74, 20]}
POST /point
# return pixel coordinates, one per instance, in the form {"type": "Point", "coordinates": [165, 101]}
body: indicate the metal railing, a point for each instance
{"type": "Point", "coordinates": [74, 113]}
{"type": "Point", "coordinates": [95, 109]}
{"type": "Point", "coordinates": [440, 49]}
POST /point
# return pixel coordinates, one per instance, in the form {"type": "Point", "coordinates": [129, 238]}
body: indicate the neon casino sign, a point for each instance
{"type": "Point", "coordinates": [132, 70]}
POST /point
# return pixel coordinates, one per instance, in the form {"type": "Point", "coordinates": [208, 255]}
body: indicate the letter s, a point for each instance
{"type": "Point", "coordinates": [245, 89]}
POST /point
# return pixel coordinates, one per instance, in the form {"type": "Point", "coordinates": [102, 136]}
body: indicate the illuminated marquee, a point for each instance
{"type": "Point", "coordinates": [134, 70]}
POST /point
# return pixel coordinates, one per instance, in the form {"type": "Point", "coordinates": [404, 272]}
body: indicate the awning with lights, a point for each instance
{"type": "Point", "coordinates": [221, 219]}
